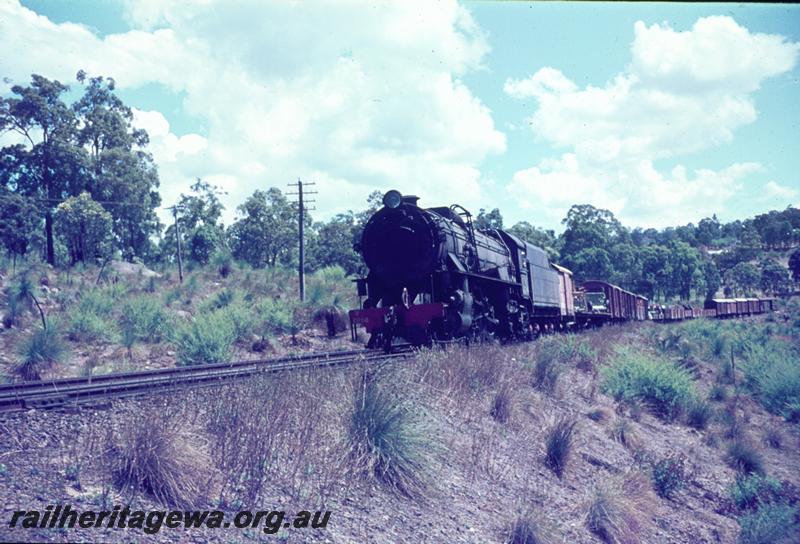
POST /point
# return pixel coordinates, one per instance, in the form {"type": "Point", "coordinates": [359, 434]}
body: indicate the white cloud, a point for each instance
{"type": "Point", "coordinates": [367, 95]}
{"type": "Point", "coordinates": [540, 84]}
{"type": "Point", "coordinates": [637, 193]}
{"type": "Point", "coordinates": [716, 55]}
{"type": "Point", "coordinates": [682, 93]}
{"type": "Point", "coordinates": [775, 191]}
{"type": "Point", "coordinates": [31, 43]}
{"type": "Point", "coordinates": [164, 145]}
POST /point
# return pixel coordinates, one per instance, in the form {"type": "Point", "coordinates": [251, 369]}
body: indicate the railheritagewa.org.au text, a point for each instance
{"type": "Point", "coordinates": [152, 521]}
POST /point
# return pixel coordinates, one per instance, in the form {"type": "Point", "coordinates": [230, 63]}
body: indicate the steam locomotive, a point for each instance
{"type": "Point", "coordinates": [434, 277]}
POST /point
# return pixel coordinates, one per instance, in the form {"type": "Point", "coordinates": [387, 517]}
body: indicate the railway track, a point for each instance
{"type": "Point", "coordinates": [65, 392]}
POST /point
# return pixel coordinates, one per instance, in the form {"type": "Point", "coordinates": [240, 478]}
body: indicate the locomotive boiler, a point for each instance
{"type": "Point", "coordinates": [434, 276]}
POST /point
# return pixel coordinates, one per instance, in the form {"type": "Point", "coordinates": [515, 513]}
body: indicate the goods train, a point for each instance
{"type": "Point", "coordinates": [434, 277]}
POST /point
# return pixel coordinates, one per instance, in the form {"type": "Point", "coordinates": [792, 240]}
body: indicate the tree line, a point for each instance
{"type": "Point", "coordinates": [686, 262]}
{"type": "Point", "coordinates": [82, 168]}
{"type": "Point", "coordinates": [83, 187]}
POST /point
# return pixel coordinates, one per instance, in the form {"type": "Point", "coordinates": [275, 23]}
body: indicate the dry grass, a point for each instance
{"type": "Point", "coordinates": [502, 404]}
{"type": "Point", "coordinates": [743, 455]}
{"type": "Point", "coordinates": [618, 512]}
{"type": "Point", "coordinates": [163, 456]}
{"type": "Point", "coordinates": [527, 529]}
{"type": "Point", "coordinates": [773, 438]}
{"type": "Point", "coordinates": [547, 367]}
{"type": "Point", "coordinates": [388, 441]}
{"type": "Point", "coordinates": [264, 437]}
{"type": "Point", "coordinates": [558, 445]}
{"type": "Point", "coordinates": [624, 433]}
{"type": "Point", "coordinates": [598, 414]}
{"type": "Point", "coordinates": [462, 374]}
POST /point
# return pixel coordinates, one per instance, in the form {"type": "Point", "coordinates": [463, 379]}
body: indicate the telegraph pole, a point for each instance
{"type": "Point", "coordinates": [301, 209]}
{"type": "Point", "coordinates": [178, 241]}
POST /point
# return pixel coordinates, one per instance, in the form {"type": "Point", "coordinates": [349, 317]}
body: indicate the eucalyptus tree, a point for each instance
{"type": "Point", "coordinates": [123, 175]}
{"type": "Point", "coordinates": [47, 166]}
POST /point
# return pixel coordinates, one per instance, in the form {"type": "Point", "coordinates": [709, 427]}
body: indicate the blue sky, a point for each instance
{"type": "Point", "coordinates": [663, 113]}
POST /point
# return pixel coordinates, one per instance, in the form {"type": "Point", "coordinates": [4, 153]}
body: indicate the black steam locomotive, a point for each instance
{"type": "Point", "coordinates": [434, 276]}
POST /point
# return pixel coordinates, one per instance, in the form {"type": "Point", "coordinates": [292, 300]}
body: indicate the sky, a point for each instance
{"type": "Point", "coordinates": [662, 113]}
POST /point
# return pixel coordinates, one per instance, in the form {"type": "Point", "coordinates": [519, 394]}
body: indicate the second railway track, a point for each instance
{"type": "Point", "coordinates": [64, 392]}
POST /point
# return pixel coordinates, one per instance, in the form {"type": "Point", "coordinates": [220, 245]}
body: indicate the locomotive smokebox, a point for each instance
{"type": "Point", "coordinates": [398, 244]}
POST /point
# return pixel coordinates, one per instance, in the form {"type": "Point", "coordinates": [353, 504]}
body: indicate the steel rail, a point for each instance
{"type": "Point", "coordinates": [179, 370]}
{"type": "Point", "coordinates": [71, 391]}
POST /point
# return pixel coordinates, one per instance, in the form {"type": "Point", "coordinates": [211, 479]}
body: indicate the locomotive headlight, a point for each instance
{"type": "Point", "coordinates": [392, 199]}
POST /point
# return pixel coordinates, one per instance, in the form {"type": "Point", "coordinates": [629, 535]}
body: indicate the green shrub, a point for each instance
{"type": "Point", "coordinates": [726, 374]}
{"type": "Point", "coordinates": [21, 294]}
{"type": "Point", "coordinates": [186, 291]}
{"type": "Point", "coordinates": [656, 381]}
{"type": "Point", "coordinates": [86, 326]}
{"type": "Point", "coordinates": [115, 291]}
{"type": "Point", "coordinates": [41, 349]}
{"type": "Point", "coordinates": [127, 334]}
{"type": "Point", "coordinates": [792, 411]}
{"type": "Point", "coordinates": [558, 445]}
{"type": "Point", "coordinates": [21, 290]}
{"type": "Point", "coordinates": [552, 355]}
{"type": "Point", "coordinates": [326, 289]}
{"type": "Point", "coordinates": [668, 475]}
{"type": "Point", "coordinates": [585, 356]}
{"type": "Point", "coordinates": [91, 320]}
{"type": "Point", "coordinates": [145, 318]}
{"type": "Point", "coordinates": [770, 524]}
{"type": "Point", "coordinates": [223, 261]}
{"type": "Point", "coordinates": [686, 349]}
{"type": "Point", "coordinates": [718, 393]}
{"type": "Point", "coordinates": [567, 348]}
{"type": "Point", "coordinates": [275, 316]}
{"type": "Point", "coordinates": [242, 319]}
{"type": "Point", "coordinates": [750, 492]}
{"type": "Point", "coordinates": [172, 295]}
{"type": "Point", "coordinates": [318, 293]}
{"type": "Point", "coordinates": [207, 339]}
{"type": "Point", "coordinates": [772, 372]}
{"type": "Point", "coordinates": [698, 413]}
{"type": "Point", "coordinates": [221, 299]}
{"type": "Point", "coordinates": [331, 274]}
{"type": "Point", "coordinates": [669, 340]}
{"type": "Point", "coordinates": [97, 301]}
{"type": "Point", "coordinates": [388, 441]}
{"type": "Point", "coordinates": [744, 457]}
